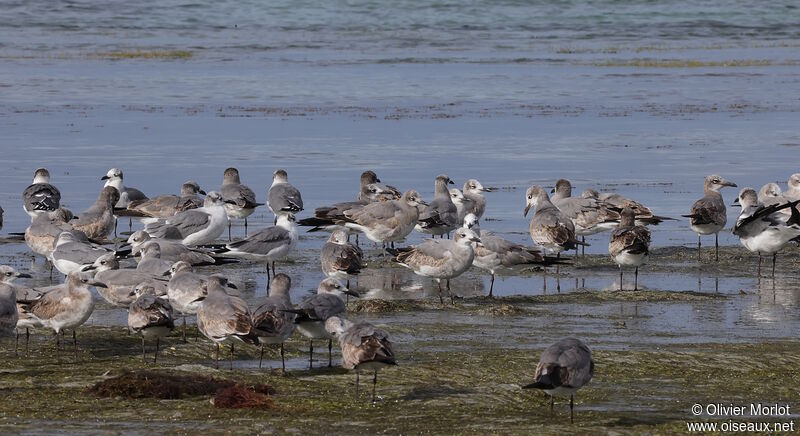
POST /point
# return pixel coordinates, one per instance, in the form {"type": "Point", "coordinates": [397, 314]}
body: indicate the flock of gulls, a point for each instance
{"type": "Point", "coordinates": [183, 231]}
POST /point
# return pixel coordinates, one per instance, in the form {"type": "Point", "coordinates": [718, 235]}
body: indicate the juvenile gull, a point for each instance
{"type": "Point", "coordinates": [495, 254]}
{"type": "Point", "coordinates": [126, 194]}
{"type": "Point", "coordinates": [708, 214]}
{"type": "Point", "coordinates": [171, 250]}
{"type": "Point", "coordinates": [186, 290]}
{"type": "Point", "coordinates": [44, 229]}
{"type": "Point", "coordinates": [222, 317]}
{"type": "Point", "coordinates": [272, 321]}
{"type": "Point", "coordinates": [440, 216]}
{"type": "Point", "coordinates": [70, 253]}
{"type": "Point", "coordinates": [764, 229]}
{"type": "Point", "coordinates": [644, 216]}
{"type": "Point", "coordinates": [473, 191]}
{"type": "Point", "coordinates": [441, 259]}
{"type": "Point", "coordinates": [589, 216]}
{"type": "Point", "coordinates": [97, 222]}
{"type": "Point", "coordinates": [282, 196]}
{"type": "Point", "coordinates": [313, 311]}
{"type": "Point", "coordinates": [121, 283]}
{"type": "Point", "coordinates": [386, 221]}
{"type": "Point", "coordinates": [629, 245]}
{"type": "Point", "coordinates": [565, 367]}
{"type": "Point", "coordinates": [268, 245]}
{"type": "Point", "coordinates": [240, 200]}
{"type": "Point", "coordinates": [66, 306]}
{"type": "Point", "coordinates": [364, 347]}
{"type": "Point", "coordinates": [195, 226]}
{"type": "Point", "coordinates": [165, 206]}
{"type": "Point", "coordinates": [40, 196]}
{"type": "Point", "coordinates": [339, 258]}
{"type": "Point", "coordinates": [150, 316]}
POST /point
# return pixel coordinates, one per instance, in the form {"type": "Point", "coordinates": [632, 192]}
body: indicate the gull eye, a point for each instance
{"type": "Point", "coordinates": [85, 280]}
{"type": "Point", "coordinates": [9, 273]}
{"type": "Point", "coordinates": [530, 197]}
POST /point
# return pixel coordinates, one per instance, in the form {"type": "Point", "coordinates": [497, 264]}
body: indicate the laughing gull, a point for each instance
{"type": "Point", "coordinates": [440, 216]}
{"type": "Point", "coordinates": [770, 194]}
{"type": "Point", "coordinates": [708, 214]}
{"type": "Point", "coordinates": [644, 216]}
{"type": "Point", "coordinates": [282, 196]}
{"type": "Point", "coordinates": [313, 311]}
{"type": "Point", "coordinates": [150, 316]}
{"type": "Point", "coordinates": [473, 191]}
{"type": "Point", "coordinates": [126, 194]}
{"type": "Point", "coordinates": [165, 206]}
{"type": "Point", "coordinates": [764, 229]}
{"type": "Point", "coordinates": [70, 253]}
{"type": "Point", "coordinates": [565, 367]}
{"type": "Point", "coordinates": [629, 245]}
{"type": "Point", "coordinates": [121, 283]}
{"type": "Point", "coordinates": [222, 317]}
{"type": "Point", "coordinates": [588, 215]}
{"type": "Point", "coordinates": [186, 290]}
{"type": "Point", "coordinates": [386, 221]}
{"type": "Point", "coordinates": [171, 250]}
{"type": "Point", "coordinates": [40, 197]}
{"type": "Point", "coordinates": [364, 347]}
{"type": "Point", "coordinates": [268, 245]}
{"type": "Point", "coordinates": [340, 258]}
{"type": "Point", "coordinates": [151, 261]}
{"type": "Point", "coordinates": [373, 190]}
{"type": "Point", "coordinates": [272, 322]}
{"type": "Point", "coordinates": [550, 227]}
{"type": "Point", "coordinates": [8, 300]}
{"type": "Point", "coordinates": [240, 200]}
{"type": "Point", "coordinates": [793, 193]}
{"type": "Point", "coordinates": [44, 229]}
{"type": "Point", "coordinates": [441, 259]}
{"type": "Point", "coordinates": [66, 306]}
{"type": "Point", "coordinates": [195, 226]}
{"type": "Point", "coordinates": [97, 222]}
{"type": "Point", "coordinates": [20, 295]}
{"type": "Point", "coordinates": [495, 254]}
{"type": "Point", "coordinates": [1, 218]}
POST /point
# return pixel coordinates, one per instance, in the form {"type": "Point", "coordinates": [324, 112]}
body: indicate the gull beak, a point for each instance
{"type": "Point", "coordinates": [166, 274]}
{"type": "Point", "coordinates": [74, 217]}
{"type": "Point", "coordinates": [377, 180]}
{"type": "Point", "coordinates": [450, 182]}
{"type": "Point", "coordinates": [553, 191]}
{"type": "Point", "coordinates": [736, 202]}
{"type": "Point", "coordinates": [88, 268]}
{"type": "Point", "coordinates": [24, 276]}
{"type": "Point", "coordinates": [104, 178]}
{"type": "Point", "coordinates": [232, 286]}
{"type": "Point", "coordinates": [230, 202]}
{"type": "Point", "coordinates": [132, 294]}
{"type": "Point", "coordinates": [422, 202]}
{"type": "Point", "coordinates": [201, 192]}
{"type": "Point", "coordinates": [97, 284]}
{"type": "Point", "coordinates": [475, 239]}
{"type": "Point", "coordinates": [727, 183]}
{"type": "Point", "coordinates": [527, 208]}
{"type": "Point", "coordinates": [353, 293]}
{"type": "Point", "coordinates": [489, 189]}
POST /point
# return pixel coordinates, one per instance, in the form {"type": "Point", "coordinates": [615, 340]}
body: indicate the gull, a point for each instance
{"type": "Point", "coordinates": [150, 316]}
{"type": "Point", "coordinates": [240, 200]}
{"type": "Point", "coordinates": [762, 229]}
{"type": "Point", "coordinates": [441, 215]}
{"type": "Point", "coordinates": [770, 194]}
{"type": "Point", "coordinates": [373, 190]}
{"type": "Point", "coordinates": [21, 295]}
{"type": "Point", "coordinates": [364, 347]}
{"type": "Point", "coordinates": [793, 193]}
{"type": "Point", "coordinates": [588, 215]}
{"type": "Point", "coordinates": [282, 196]}
{"type": "Point", "coordinates": [151, 261]}
{"type": "Point", "coordinates": [186, 290]}
{"type": "Point", "coordinates": [629, 245]}
{"type": "Point", "coordinates": [313, 311]}
{"type": "Point", "coordinates": [8, 300]}
{"type": "Point", "coordinates": [165, 206]}
{"type": "Point", "coordinates": [495, 254]}
{"type": "Point", "coordinates": [126, 194]}
{"type": "Point", "coordinates": [70, 253]}
{"type": "Point", "coordinates": [473, 191]}
{"type": "Point", "coordinates": [463, 205]}
{"type": "Point", "coordinates": [121, 283]}
{"type": "Point", "coordinates": [1, 217]}
{"type": "Point", "coordinates": [386, 221]}
{"type": "Point", "coordinates": [171, 250]}
{"type": "Point", "coordinates": [195, 226]}
{"type": "Point", "coordinates": [268, 245]}
{"type": "Point", "coordinates": [339, 258]}
{"type": "Point", "coordinates": [272, 322]}
{"type": "Point", "coordinates": [40, 196]}
{"type": "Point", "coordinates": [45, 228]}
{"type": "Point", "coordinates": [66, 306]}
{"type": "Point", "coordinates": [442, 259]}
{"type": "Point", "coordinates": [708, 213]}
{"type": "Point", "coordinates": [565, 367]}
{"type": "Point", "coordinates": [618, 202]}
{"type": "Point", "coordinates": [222, 317]}
{"type": "Point", "coordinates": [97, 222]}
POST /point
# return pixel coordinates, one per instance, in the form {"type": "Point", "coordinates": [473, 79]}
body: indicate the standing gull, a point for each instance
{"type": "Point", "coordinates": [126, 194]}
{"type": "Point", "coordinates": [565, 367]}
{"type": "Point", "coordinates": [629, 245]}
{"type": "Point", "coordinates": [442, 259]}
{"type": "Point", "coordinates": [240, 200]}
{"type": "Point", "coordinates": [186, 290]}
{"type": "Point", "coordinates": [150, 316]}
{"type": "Point", "coordinates": [441, 215]}
{"type": "Point", "coordinates": [40, 196]}
{"type": "Point", "coordinates": [44, 229]}
{"type": "Point", "coordinates": [121, 283]}
{"type": "Point", "coordinates": [222, 317]}
{"type": "Point", "coordinates": [70, 253]}
{"type": "Point", "coordinates": [364, 347]}
{"type": "Point", "coordinates": [473, 191]}
{"type": "Point", "coordinates": [588, 215]}
{"type": "Point", "coordinates": [386, 221]}
{"type": "Point", "coordinates": [272, 321]}
{"type": "Point", "coordinates": [8, 300]}
{"type": "Point", "coordinates": [463, 206]}
{"type": "Point", "coordinates": [282, 196]}
{"type": "Point", "coordinates": [340, 258]}
{"type": "Point", "coordinates": [708, 214]}
{"type": "Point", "coordinates": [764, 229]}
{"type": "Point", "coordinates": [313, 311]}
{"type": "Point", "coordinates": [165, 206]}
{"type": "Point", "coordinates": [97, 222]}
{"type": "Point", "coordinates": [171, 250]}
{"type": "Point", "coordinates": [23, 296]}
{"type": "Point", "coordinates": [195, 226]}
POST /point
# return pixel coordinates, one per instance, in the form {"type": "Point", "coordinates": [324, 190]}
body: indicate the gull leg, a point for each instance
{"type": "Point", "coordinates": [261, 356]}
{"type": "Point", "coordinates": [759, 264]}
{"type": "Point", "coordinates": [452, 299]}
{"type": "Point", "coordinates": [441, 301]}
{"type": "Point", "coordinates": [143, 354]}
{"type": "Point", "coordinates": [216, 365]}
{"type": "Point", "coordinates": [57, 345]}
{"type": "Point", "coordinates": [716, 247]}
{"type": "Point", "coordinates": [184, 329]}
{"type": "Point", "coordinates": [620, 278]}
{"type": "Point", "coordinates": [774, 258]}
{"type": "Point", "coordinates": [356, 384]}
{"type": "Point", "coordinates": [544, 280]}
{"type": "Point", "coordinates": [27, 339]}
{"type": "Point", "coordinates": [330, 353]}
{"type": "Point", "coordinates": [552, 402]}
{"type": "Point", "coordinates": [16, 344]}
{"type": "Point", "coordinates": [245, 227]}
{"type": "Point", "coordinates": [115, 226]}
{"type": "Point", "coordinates": [636, 279]}
{"type": "Point", "coordinates": [283, 360]}
{"type": "Point", "coordinates": [229, 230]}
{"type": "Point", "coordinates": [583, 247]}
{"type": "Point", "coordinates": [571, 407]}
{"type": "Point", "coordinates": [130, 225]}
{"type": "Point", "coordinates": [558, 271]}
{"type": "Point", "coordinates": [231, 356]}
{"type": "Point", "coordinates": [75, 344]}
{"type": "Point", "coordinates": [310, 353]}
{"type": "Point", "coordinates": [491, 287]}
{"type": "Point", "coordinates": [268, 277]}
{"type": "Point", "coordinates": [698, 247]}
{"type": "Point", "coordinates": [273, 268]}
{"type": "Point", "coordinates": [374, 383]}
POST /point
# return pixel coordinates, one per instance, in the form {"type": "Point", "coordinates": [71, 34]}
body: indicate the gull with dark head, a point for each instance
{"type": "Point", "coordinates": [440, 217]}
{"type": "Point", "coordinates": [240, 200]}
{"type": "Point", "coordinates": [97, 222]}
{"type": "Point", "coordinates": [764, 229]}
{"type": "Point", "coordinates": [629, 245]}
{"type": "Point", "coordinates": [473, 192]}
{"type": "Point", "coordinates": [120, 283]}
{"type": "Point", "coordinates": [283, 197]}
{"type": "Point", "coordinates": [40, 196]}
{"type": "Point", "coordinates": [708, 214]}
{"type": "Point", "coordinates": [126, 194]}
{"type": "Point", "coordinates": [373, 190]}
